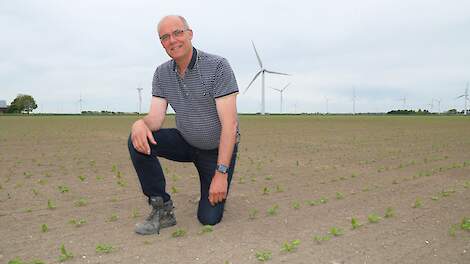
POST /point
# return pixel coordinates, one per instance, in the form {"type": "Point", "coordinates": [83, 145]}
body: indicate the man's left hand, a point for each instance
{"type": "Point", "coordinates": [218, 188]}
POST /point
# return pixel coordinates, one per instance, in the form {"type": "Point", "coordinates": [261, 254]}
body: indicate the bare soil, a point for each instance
{"type": "Point", "coordinates": [319, 172]}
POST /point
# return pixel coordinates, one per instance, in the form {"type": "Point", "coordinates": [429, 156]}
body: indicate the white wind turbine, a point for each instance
{"type": "Point", "coordinates": [261, 71]}
{"type": "Point", "coordinates": [139, 90]}
{"type": "Point", "coordinates": [465, 96]}
{"type": "Point", "coordinates": [281, 91]}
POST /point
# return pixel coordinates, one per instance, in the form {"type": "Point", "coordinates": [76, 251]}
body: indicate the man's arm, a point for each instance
{"type": "Point", "coordinates": [227, 111]}
{"type": "Point", "coordinates": [142, 128]}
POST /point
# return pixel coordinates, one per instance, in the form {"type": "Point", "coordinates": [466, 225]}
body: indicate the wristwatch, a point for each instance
{"type": "Point", "coordinates": [222, 168]}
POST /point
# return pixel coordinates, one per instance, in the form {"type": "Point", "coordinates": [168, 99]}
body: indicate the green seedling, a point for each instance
{"type": "Point", "coordinates": [466, 185]}
{"type": "Point", "coordinates": [355, 223]}
{"type": "Point", "coordinates": [279, 189]}
{"type": "Point", "coordinates": [42, 181]}
{"type": "Point", "coordinates": [435, 198]}
{"type": "Point", "coordinates": [64, 254]}
{"type": "Point", "coordinates": [373, 218]}
{"type": "Point", "coordinates": [339, 195]}
{"type": "Point", "coordinates": [353, 175]}
{"type": "Point", "coordinates": [290, 246]}
{"type": "Point", "coordinates": [453, 230]}
{"type": "Point", "coordinates": [264, 255]}
{"type": "Point", "coordinates": [241, 180]}
{"type": "Point", "coordinates": [77, 222]}
{"type": "Point", "coordinates": [63, 189]}
{"type": "Point", "coordinates": [389, 212]}
{"type": "Point", "coordinates": [44, 228]}
{"type": "Point", "coordinates": [51, 205]}
{"type": "Point", "coordinates": [296, 205]}
{"type": "Point", "coordinates": [418, 203]}
{"type": "Point", "coordinates": [37, 261]}
{"type": "Point", "coordinates": [35, 192]}
{"type": "Point", "coordinates": [465, 225]}
{"type": "Point", "coordinates": [99, 177]}
{"type": "Point", "coordinates": [273, 210]}
{"type": "Point", "coordinates": [113, 218]}
{"type": "Point", "coordinates": [320, 239]}
{"type": "Point", "coordinates": [28, 210]}
{"type": "Point", "coordinates": [81, 202]}
{"type": "Point", "coordinates": [266, 190]}
{"type": "Point", "coordinates": [114, 168]}
{"type": "Point", "coordinates": [118, 174]}
{"type": "Point", "coordinates": [104, 248]}
{"type": "Point", "coordinates": [323, 200]}
{"type": "Point", "coordinates": [179, 232]}
{"type": "Point", "coordinates": [82, 178]}
{"type": "Point", "coordinates": [92, 163]}
{"type": "Point", "coordinates": [253, 213]}
{"type": "Point", "coordinates": [27, 174]}
{"type": "Point", "coordinates": [16, 261]}
{"type": "Point", "coordinates": [121, 183]}
{"type": "Point", "coordinates": [174, 190]}
{"type": "Point", "coordinates": [268, 178]}
{"type": "Point", "coordinates": [135, 213]}
{"type": "Point", "coordinates": [206, 229]}
{"type": "Point", "coordinates": [335, 231]}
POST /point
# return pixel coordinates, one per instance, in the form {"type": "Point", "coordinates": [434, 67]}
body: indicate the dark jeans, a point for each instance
{"type": "Point", "coordinates": [171, 145]}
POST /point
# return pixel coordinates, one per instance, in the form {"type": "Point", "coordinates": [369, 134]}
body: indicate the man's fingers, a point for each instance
{"type": "Point", "coordinates": [150, 137]}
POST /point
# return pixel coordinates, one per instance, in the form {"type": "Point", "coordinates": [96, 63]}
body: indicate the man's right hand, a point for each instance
{"type": "Point", "coordinates": [140, 137]}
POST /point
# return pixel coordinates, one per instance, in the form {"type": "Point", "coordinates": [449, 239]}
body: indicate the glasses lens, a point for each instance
{"type": "Point", "coordinates": [164, 37]}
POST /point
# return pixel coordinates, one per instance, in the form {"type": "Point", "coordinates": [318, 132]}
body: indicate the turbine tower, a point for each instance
{"type": "Point", "coordinates": [80, 103]}
{"type": "Point", "coordinates": [139, 90]}
{"type": "Point", "coordinates": [281, 91]}
{"type": "Point", "coordinates": [262, 71]}
{"type": "Point", "coordinates": [354, 100]}
{"type": "Point", "coordinates": [327, 100]}
{"type": "Point", "coordinates": [465, 96]}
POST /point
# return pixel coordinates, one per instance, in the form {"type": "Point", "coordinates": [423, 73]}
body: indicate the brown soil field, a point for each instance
{"type": "Point", "coordinates": [297, 178]}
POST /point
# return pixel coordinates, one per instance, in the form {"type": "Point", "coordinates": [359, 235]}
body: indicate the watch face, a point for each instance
{"type": "Point", "coordinates": [222, 168]}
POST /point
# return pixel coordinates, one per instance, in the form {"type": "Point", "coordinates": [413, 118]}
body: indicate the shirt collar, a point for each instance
{"type": "Point", "coordinates": [191, 63]}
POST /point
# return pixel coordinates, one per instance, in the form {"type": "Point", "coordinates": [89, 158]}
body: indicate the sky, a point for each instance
{"type": "Point", "coordinates": [389, 54]}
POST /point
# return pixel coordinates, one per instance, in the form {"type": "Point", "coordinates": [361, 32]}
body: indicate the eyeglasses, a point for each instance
{"type": "Point", "coordinates": [175, 34]}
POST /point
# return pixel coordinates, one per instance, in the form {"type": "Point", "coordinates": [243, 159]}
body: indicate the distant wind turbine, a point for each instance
{"type": "Point", "coordinates": [354, 100]}
{"type": "Point", "coordinates": [327, 100]}
{"type": "Point", "coordinates": [465, 96]}
{"type": "Point", "coordinates": [261, 71]}
{"type": "Point", "coordinates": [281, 91]}
{"type": "Point", "coordinates": [80, 102]}
{"type": "Point", "coordinates": [139, 90]}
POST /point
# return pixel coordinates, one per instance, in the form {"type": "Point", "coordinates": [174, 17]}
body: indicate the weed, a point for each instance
{"type": "Point", "coordinates": [453, 230]}
{"type": "Point", "coordinates": [44, 228]}
{"type": "Point", "coordinates": [135, 213]}
{"type": "Point", "coordinates": [121, 183]}
{"type": "Point", "coordinates": [206, 229]}
{"type": "Point", "coordinates": [290, 246]}
{"type": "Point", "coordinates": [373, 218]}
{"type": "Point", "coordinates": [266, 190]}
{"type": "Point", "coordinates": [264, 255]}
{"type": "Point", "coordinates": [320, 239]}
{"type": "Point", "coordinates": [42, 181]}
{"type": "Point", "coordinates": [82, 178]}
{"type": "Point", "coordinates": [273, 210]}
{"type": "Point", "coordinates": [465, 224]}
{"type": "Point", "coordinates": [63, 189]}
{"type": "Point", "coordinates": [323, 200]}
{"type": "Point", "coordinates": [335, 231]}
{"type": "Point", "coordinates": [35, 192]}
{"type": "Point", "coordinates": [99, 177]}
{"type": "Point", "coordinates": [51, 205]}
{"type": "Point", "coordinates": [296, 205]}
{"type": "Point", "coordinates": [28, 210]}
{"type": "Point", "coordinates": [113, 218]}
{"type": "Point", "coordinates": [418, 203]}
{"type": "Point", "coordinates": [174, 190]}
{"type": "Point", "coordinates": [77, 222]}
{"type": "Point", "coordinates": [466, 185]}
{"type": "Point", "coordinates": [389, 212]}
{"type": "Point", "coordinates": [103, 248]}
{"type": "Point", "coordinates": [16, 261]}
{"type": "Point", "coordinates": [179, 232]}
{"type": "Point", "coordinates": [241, 180]}
{"type": "Point", "coordinates": [118, 174]}
{"type": "Point", "coordinates": [252, 214]}
{"type": "Point", "coordinates": [355, 223]}
{"type": "Point", "coordinates": [339, 195]}
{"type": "Point", "coordinates": [81, 202]}
{"type": "Point", "coordinates": [114, 168]}
{"type": "Point", "coordinates": [435, 198]}
{"type": "Point", "coordinates": [268, 178]}
{"type": "Point", "coordinates": [354, 175]}
{"type": "Point", "coordinates": [64, 254]}
{"type": "Point", "coordinates": [279, 188]}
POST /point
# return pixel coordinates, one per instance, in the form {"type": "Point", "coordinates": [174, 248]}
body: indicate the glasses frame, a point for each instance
{"type": "Point", "coordinates": [176, 34]}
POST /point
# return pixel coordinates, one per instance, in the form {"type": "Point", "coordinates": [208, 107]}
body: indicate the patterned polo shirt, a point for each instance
{"type": "Point", "coordinates": [193, 97]}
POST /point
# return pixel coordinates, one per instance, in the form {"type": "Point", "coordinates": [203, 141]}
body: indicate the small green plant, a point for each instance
{"type": "Point", "coordinates": [465, 224]}
{"type": "Point", "coordinates": [435, 198]}
{"type": "Point", "coordinates": [174, 190]}
{"type": "Point", "coordinates": [418, 203]}
{"type": "Point", "coordinates": [113, 218]}
{"type": "Point", "coordinates": [335, 231]}
{"type": "Point", "coordinates": [253, 213]}
{"type": "Point", "coordinates": [114, 168]}
{"type": "Point", "coordinates": [389, 212]}
{"type": "Point", "coordinates": [266, 190]}
{"type": "Point", "coordinates": [104, 248]}
{"type": "Point", "coordinates": [241, 180]}
{"type": "Point", "coordinates": [466, 185]}
{"type": "Point", "coordinates": [81, 202]}
{"type": "Point", "coordinates": [51, 205]}
{"type": "Point", "coordinates": [64, 254]}
{"type": "Point", "coordinates": [355, 223]}
{"type": "Point", "coordinates": [453, 230]}
{"type": "Point", "coordinates": [320, 239]}
{"type": "Point", "coordinates": [279, 189]}
{"type": "Point", "coordinates": [323, 200]}
{"type": "Point", "coordinates": [121, 183]}
{"type": "Point", "coordinates": [339, 195]}
{"type": "Point", "coordinates": [373, 218]}
{"type": "Point", "coordinates": [263, 255]}
{"type": "Point", "coordinates": [296, 205]}
{"type": "Point", "coordinates": [273, 210]}
{"type": "Point", "coordinates": [42, 181]}
{"type": "Point", "coordinates": [16, 261]}
{"type": "Point", "coordinates": [135, 213]}
{"type": "Point", "coordinates": [99, 177]}
{"type": "Point", "coordinates": [63, 189]}
{"type": "Point", "coordinates": [77, 222]}
{"type": "Point", "coordinates": [35, 192]}
{"type": "Point", "coordinates": [179, 232]}
{"type": "Point", "coordinates": [290, 246]}
{"type": "Point", "coordinates": [206, 229]}
{"type": "Point", "coordinates": [44, 228]}
{"type": "Point", "coordinates": [82, 178]}
{"type": "Point", "coordinates": [268, 178]}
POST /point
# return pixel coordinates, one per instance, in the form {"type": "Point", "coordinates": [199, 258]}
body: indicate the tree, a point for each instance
{"type": "Point", "coordinates": [22, 103]}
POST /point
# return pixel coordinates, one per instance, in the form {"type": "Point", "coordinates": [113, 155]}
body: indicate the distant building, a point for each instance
{"type": "Point", "coordinates": [3, 106]}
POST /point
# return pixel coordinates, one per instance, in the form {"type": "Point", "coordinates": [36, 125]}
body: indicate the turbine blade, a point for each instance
{"type": "Point", "coordinates": [257, 56]}
{"type": "Point", "coordinates": [285, 86]}
{"type": "Point", "coordinates": [276, 89]}
{"type": "Point", "coordinates": [254, 78]}
{"type": "Point", "coordinates": [460, 96]}
{"type": "Point", "coordinates": [280, 73]}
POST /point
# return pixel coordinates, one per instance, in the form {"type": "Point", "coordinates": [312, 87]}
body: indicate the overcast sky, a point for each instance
{"type": "Point", "coordinates": [384, 50]}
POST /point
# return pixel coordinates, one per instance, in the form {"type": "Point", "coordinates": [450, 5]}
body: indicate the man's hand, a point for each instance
{"type": "Point", "coordinates": [218, 188]}
{"type": "Point", "coordinates": [140, 136]}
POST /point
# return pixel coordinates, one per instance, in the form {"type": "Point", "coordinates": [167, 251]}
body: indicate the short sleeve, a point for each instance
{"type": "Point", "coordinates": [225, 82]}
{"type": "Point", "coordinates": [157, 89]}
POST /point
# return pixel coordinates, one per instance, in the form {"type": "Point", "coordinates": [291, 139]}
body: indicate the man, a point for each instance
{"type": "Point", "coordinates": [202, 90]}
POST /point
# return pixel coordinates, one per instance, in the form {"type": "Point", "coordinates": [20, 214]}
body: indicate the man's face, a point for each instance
{"type": "Point", "coordinates": [175, 38]}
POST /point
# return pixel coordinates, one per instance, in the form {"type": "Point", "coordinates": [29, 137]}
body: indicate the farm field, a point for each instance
{"type": "Point", "coordinates": [306, 189]}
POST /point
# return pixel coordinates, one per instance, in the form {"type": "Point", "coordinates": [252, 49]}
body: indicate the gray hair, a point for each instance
{"type": "Point", "coordinates": [185, 23]}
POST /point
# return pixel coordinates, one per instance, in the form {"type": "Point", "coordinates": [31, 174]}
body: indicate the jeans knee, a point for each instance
{"type": "Point", "coordinates": [209, 219]}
